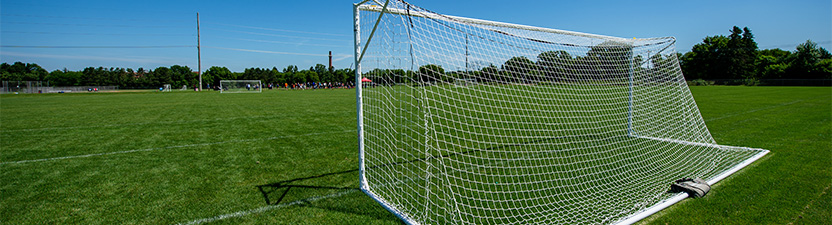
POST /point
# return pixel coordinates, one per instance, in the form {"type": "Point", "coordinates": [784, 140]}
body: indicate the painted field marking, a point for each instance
{"type": "Point", "coordinates": [267, 208]}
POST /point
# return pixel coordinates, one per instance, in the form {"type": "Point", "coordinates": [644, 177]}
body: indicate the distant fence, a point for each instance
{"type": "Point", "coordinates": [763, 82]}
{"type": "Point", "coordinates": [29, 87]}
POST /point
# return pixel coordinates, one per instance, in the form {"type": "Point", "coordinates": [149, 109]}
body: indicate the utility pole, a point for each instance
{"type": "Point", "coordinates": [466, 54]}
{"type": "Point", "coordinates": [198, 53]}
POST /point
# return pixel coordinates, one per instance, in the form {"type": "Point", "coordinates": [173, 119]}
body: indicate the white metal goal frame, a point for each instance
{"type": "Point", "coordinates": [632, 86]}
{"type": "Point", "coordinates": [241, 86]}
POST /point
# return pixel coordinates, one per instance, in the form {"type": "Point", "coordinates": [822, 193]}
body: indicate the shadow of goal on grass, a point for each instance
{"type": "Point", "coordinates": [338, 199]}
{"type": "Point", "coordinates": [277, 192]}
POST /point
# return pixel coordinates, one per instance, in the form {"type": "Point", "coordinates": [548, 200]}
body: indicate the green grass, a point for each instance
{"type": "Point", "coordinates": [789, 185]}
{"type": "Point", "coordinates": [181, 157]}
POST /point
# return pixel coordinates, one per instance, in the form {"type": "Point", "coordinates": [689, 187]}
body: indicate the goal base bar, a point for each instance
{"type": "Point", "coordinates": [406, 219]}
{"type": "Point", "coordinates": [682, 196]}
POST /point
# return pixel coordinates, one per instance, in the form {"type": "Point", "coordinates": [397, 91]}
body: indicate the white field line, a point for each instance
{"type": "Point", "coordinates": [168, 147]}
{"type": "Point", "coordinates": [267, 208]}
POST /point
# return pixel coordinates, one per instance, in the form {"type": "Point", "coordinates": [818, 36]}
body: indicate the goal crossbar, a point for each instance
{"type": "Point", "coordinates": [431, 15]}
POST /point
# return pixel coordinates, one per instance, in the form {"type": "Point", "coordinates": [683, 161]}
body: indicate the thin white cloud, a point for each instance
{"type": "Point", "coordinates": [154, 60]}
{"type": "Point", "coordinates": [337, 58]}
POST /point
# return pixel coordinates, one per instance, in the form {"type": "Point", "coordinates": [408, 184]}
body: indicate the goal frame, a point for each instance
{"type": "Point", "coordinates": [259, 86]}
{"type": "Point", "coordinates": [383, 9]}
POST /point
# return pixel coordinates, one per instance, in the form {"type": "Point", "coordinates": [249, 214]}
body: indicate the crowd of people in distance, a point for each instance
{"type": "Point", "coordinates": [297, 86]}
{"type": "Point", "coordinates": [313, 85]}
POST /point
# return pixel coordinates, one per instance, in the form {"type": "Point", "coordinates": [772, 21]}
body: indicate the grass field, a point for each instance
{"type": "Point", "coordinates": [290, 157]}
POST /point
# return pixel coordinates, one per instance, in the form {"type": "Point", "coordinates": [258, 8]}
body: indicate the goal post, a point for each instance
{"type": "Point", "coordinates": [481, 122]}
{"type": "Point", "coordinates": [166, 88]}
{"type": "Point", "coordinates": [241, 86]}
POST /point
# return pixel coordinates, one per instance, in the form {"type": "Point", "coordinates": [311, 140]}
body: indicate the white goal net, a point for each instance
{"type": "Point", "coordinates": [240, 86]}
{"type": "Point", "coordinates": [561, 127]}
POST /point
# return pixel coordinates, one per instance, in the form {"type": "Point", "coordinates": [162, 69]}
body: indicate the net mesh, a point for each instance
{"type": "Point", "coordinates": [561, 127]}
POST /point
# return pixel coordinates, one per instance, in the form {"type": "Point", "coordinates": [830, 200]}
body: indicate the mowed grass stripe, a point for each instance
{"type": "Point", "coordinates": [154, 123]}
{"type": "Point", "coordinates": [170, 147]}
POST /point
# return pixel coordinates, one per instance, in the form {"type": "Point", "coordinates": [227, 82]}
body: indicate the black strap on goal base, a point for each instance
{"type": "Point", "coordinates": [696, 188]}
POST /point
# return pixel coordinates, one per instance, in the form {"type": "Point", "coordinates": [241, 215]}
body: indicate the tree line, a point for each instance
{"type": "Point", "coordinates": [732, 57]}
{"type": "Point", "coordinates": [610, 60]}
{"type": "Point", "coordinates": [176, 75]}
{"type": "Point", "coordinates": [735, 56]}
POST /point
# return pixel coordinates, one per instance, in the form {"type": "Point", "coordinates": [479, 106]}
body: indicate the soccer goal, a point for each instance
{"type": "Point", "coordinates": [166, 88]}
{"type": "Point", "coordinates": [562, 127]}
{"type": "Point", "coordinates": [465, 82]}
{"type": "Point", "coordinates": [240, 86]}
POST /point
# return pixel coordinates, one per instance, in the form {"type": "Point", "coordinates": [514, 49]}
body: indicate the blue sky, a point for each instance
{"type": "Point", "coordinates": [265, 34]}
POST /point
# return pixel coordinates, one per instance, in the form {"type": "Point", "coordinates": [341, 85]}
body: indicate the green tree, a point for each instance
{"type": "Point", "coordinates": [255, 74]}
{"type": "Point", "coordinates": [741, 54]}
{"type": "Point", "coordinates": [290, 73]}
{"type": "Point", "coordinates": [491, 73]}
{"type": "Point", "coordinates": [610, 58]}
{"type": "Point", "coordinates": [555, 64]}
{"type": "Point", "coordinates": [64, 78]}
{"type": "Point", "coordinates": [772, 63]}
{"type": "Point", "coordinates": [706, 59]}
{"type": "Point", "coordinates": [323, 72]}
{"type": "Point", "coordinates": [182, 76]}
{"type": "Point", "coordinates": [721, 57]}
{"type": "Point", "coordinates": [161, 76]}
{"type": "Point", "coordinates": [299, 77]}
{"type": "Point", "coordinates": [824, 67]}
{"type": "Point", "coordinates": [118, 77]}
{"type": "Point", "coordinates": [92, 76]}
{"type": "Point", "coordinates": [519, 68]}
{"type": "Point", "coordinates": [807, 62]}
{"type": "Point", "coordinates": [311, 76]}
{"type": "Point", "coordinates": [214, 74]}
{"type": "Point", "coordinates": [345, 76]}
{"type": "Point", "coordinates": [140, 78]}
{"type": "Point", "coordinates": [430, 73]}
{"type": "Point", "coordinates": [23, 72]}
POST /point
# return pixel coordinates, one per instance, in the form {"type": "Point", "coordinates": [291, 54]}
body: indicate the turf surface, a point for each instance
{"type": "Point", "coordinates": [290, 157]}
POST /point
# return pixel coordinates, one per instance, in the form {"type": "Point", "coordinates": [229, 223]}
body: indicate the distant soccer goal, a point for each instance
{"type": "Point", "coordinates": [240, 86]}
{"type": "Point", "coordinates": [465, 82]}
{"type": "Point", "coordinates": [561, 127]}
{"type": "Point", "coordinates": [166, 88]}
